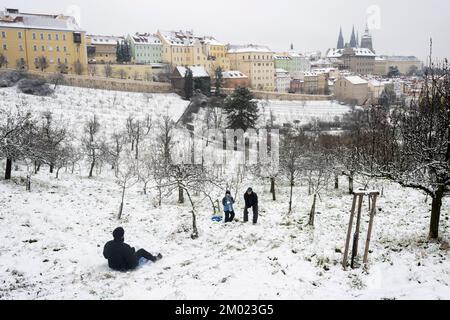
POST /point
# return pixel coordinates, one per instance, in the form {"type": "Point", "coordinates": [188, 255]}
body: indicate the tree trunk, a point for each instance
{"type": "Point", "coordinates": [350, 183]}
{"type": "Point", "coordinates": [92, 168]}
{"type": "Point", "coordinates": [121, 204]}
{"type": "Point", "coordinates": [290, 196]}
{"type": "Point", "coordinates": [194, 234]}
{"type": "Point", "coordinates": [313, 212]}
{"type": "Point", "coordinates": [272, 189]}
{"type": "Point", "coordinates": [180, 195]}
{"type": "Point", "coordinates": [28, 188]}
{"type": "Point", "coordinates": [336, 182]}
{"type": "Point", "coordinates": [57, 173]}
{"type": "Point", "coordinates": [436, 214]}
{"type": "Point", "coordinates": [51, 168]}
{"type": "Point", "coordinates": [159, 197]}
{"type": "Point", "coordinates": [8, 169]}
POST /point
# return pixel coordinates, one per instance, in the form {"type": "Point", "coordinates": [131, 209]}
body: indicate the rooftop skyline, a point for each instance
{"type": "Point", "coordinates": [308, 25]}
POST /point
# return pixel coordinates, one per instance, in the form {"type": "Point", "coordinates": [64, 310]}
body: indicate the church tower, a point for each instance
{"type": "Point", "coordinates": [353, 43]}
{"type": "Point", "coordinates": [340, 44]}
{"type": "Point", "coordinates": [366, 40]}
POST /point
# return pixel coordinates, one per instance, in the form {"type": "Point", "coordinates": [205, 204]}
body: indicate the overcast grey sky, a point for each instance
{"type": "Point", "coordinates": [400, 26]}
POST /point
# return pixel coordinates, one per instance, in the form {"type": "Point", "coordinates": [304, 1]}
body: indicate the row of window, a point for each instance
{"type": "Point", "coordinates": [42, 48]}
{"type": "Point", "coordinates": [258, 57]}
{"type": "Point", "coordinates": [50, 36]}
{"type": "Point", "coordinates": [148, 55]}
{"type": "Point", "coordinates": [51, 61]}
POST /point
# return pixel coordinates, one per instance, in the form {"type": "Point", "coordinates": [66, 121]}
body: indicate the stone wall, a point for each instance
{"type": "Point", "coordinates": [105, 83]}
{"type": "Point", "coordinates": [262, 95]}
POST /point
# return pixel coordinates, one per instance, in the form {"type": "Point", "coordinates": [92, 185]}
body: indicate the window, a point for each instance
{"type": "Point", "coordinates": [43, 48]}
{"type": "Point", "coordinates": [35, 48]}
{"type": "Point", "coordinates": [34, 36]}
{"type": "Point", "coordinates": [19, 34]}
{"type": "Point", "coordinates": [3, 34]}
{"type": "Point", "coordinates": [20, 47]}
{"type": "Point", "coordinates": [64, 37]}
{"type": "Point", "coordinates": [57, 48]}
{"type": "Point", "coordinates": [42, 36]}
{"type": "Point", "coordinates": [5, 47]}
{"type": "Point", "coordinates": [57, 37]}
{"type": "Point", "coordinates": [65, 49]}
{"type": "Point", "coordinates": [50, 36]}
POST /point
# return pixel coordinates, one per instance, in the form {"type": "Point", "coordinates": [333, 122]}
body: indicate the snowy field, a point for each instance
{"type": "Point", "coordinates": [53, 236]}
{"type": "Point", "coordinates": [302, 112]}
{"type": "Point", "coordinates": [75, 106]}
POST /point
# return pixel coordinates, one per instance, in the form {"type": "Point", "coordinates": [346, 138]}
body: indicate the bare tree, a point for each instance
{"type": "Point", "coordinates": [92, 144]}
{"type": "Point", "coordinates": [3, 60]}
{"type": "Point", "coordinates": [107, 69]}
{"type": "Point", "coordinates": [41, 63]}
{"type": "Point", "coordinates": [63, 67]}
{"type": "Point", "coordinates": [78, 67]}
{"type": "Point", "coordinates": [294, 143]}
{"type": "Point", "coordinates": [317, 165]}
{"type": "Point", "coordinates": [92, 70]}
{"type": "Point", "coordinates": [126, 177]}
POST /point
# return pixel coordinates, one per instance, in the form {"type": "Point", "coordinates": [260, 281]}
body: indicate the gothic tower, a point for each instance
{"type": "Point", "coordinates": [340, 44]}
{"type": "Point", "coordinates": [353, 43]}
{"type": "Point", "coordinates": [366, 40]}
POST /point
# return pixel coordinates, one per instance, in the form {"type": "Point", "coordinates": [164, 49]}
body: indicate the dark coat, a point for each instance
{"type": "Point", "coordinates": [121, 257]}
{"type": "Point", "coordinates": [251, 200]}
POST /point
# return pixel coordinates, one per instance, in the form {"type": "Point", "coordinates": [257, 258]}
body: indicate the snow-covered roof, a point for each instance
{"type": "Point", "coordinates": [233, 75]}
{"type": "Point", "coordinates": [248, 48]}
{"type": "Point", "coordinates": [145, 38]}
{"type": "Point", "coordinates": [356, 80]}
{"type": "Point", "coordinates": [187, 38]}
{"type": "Point", "coordinates": [108, 40]}
{"type": "Point", "coordinates": [197, 71]}
{"type": "Point", "coordinates": [38, 21]}
{"type": "Point", "coordinates": [399, 58]}
{"type": "Point", "coordinates": [359, 52]}
{"type": "Point", "coordinates": [280, 70]}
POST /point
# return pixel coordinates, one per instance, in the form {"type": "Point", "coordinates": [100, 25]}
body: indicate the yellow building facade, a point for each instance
{"type": "Point", "coordinates": [183, 48]}
{"type": "Point", "coordinates": [256, 62]}
{"type": "Point", "coordinates": [25, 38]}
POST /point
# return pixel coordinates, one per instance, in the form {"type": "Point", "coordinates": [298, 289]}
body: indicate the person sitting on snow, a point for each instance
{"type": "Point", "coordinates": [251, 201]}
{"type": "Point", "coordinates": [122, 257]}
{"type": "Point", "coordinates": [228, 202]}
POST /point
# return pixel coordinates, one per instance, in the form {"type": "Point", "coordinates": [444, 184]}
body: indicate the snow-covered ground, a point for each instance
{"type": "Point", "coordinates": [75, 106]}
{"type": "Point", "coordinates": [302, 112]}
{"type": "Point", "coordinates": [53, 236]}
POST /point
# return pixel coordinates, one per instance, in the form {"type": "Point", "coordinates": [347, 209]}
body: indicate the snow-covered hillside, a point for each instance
{"type": "Point", "coordinates": [53, 237]}
{"type": "Point", "coordinates": [74, 106]}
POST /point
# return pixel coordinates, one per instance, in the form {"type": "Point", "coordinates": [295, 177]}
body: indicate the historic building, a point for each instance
{"type": "Point", "coordinates": [183, 48]}
{"type": "Point", "coordinates": [406, 64]}
{"type": "Point", "coordinates": [352, 89]}
{"type": "Point", "coordinates": [145, 48]}
{"type": "Point", "coordinates": [256, 62]}
{"type": "Point", "coordinates": [42, 41]}
{"type": "Point", "coordinates": [292, 62]}
{"type": "Point", "coordinates": [233, 79]}
{"type": "Point", "coordinates": [357, 60]}
{"type": "Point", "coordinates": [102, 49]}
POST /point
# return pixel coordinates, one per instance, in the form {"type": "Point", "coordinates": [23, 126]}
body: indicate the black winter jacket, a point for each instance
{"type": "Point", "coordinates": [121, 257]}
{"type": "Point", "coordinates": [251, 200]}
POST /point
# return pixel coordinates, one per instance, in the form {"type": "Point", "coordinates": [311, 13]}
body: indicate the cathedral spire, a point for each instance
{"type": "Point", "coordinates": [340, 44]}
{"type": "Point", "coordinates": [353, 43]}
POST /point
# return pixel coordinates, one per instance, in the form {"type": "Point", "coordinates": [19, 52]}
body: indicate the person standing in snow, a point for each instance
{"type": "Point", "coordinates": [122, 257]}
{"type": "Point", "coordinates": [228, 203]}
{"type": "Point", "coordinates": [251, 201]}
